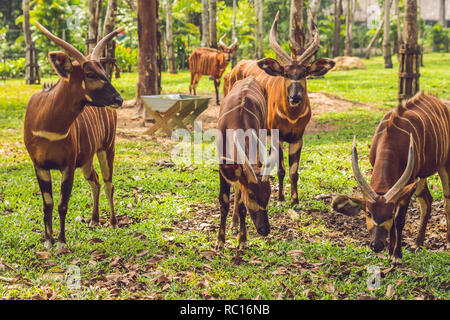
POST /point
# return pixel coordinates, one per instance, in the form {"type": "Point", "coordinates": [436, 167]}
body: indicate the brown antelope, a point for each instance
{"type": "Point", "coordinates": [243, 110]}
{"type": "Point", "coordinates": [212, 62]}
{"type": "Point", "coordinates": [67, 124]}
{"type": "Point", "coordinates": [423, 124]}
{"type": "Point", "coordinates": [287, 98]}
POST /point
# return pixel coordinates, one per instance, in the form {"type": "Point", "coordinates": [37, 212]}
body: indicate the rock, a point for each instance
{"type": "Point", "coordinates": [348, 63]}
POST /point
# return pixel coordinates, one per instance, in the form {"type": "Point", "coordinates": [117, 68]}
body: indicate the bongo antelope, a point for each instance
{"type": "Point", "coordinates": [399, 171]}
{"type": "Point", "coordinates": [243, 110]}
{"type": "Point", "coordinates": [212, 62]}
{"type": "Point", "coordinates": [66, 124]}
{"type": "Point", "coordinates": [288, 107]}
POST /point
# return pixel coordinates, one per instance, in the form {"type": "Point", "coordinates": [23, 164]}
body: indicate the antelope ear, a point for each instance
{"type": "Point", "coordinates": [405, 194]}
{"type": "Point", "coordinates": [320, 67]}
{"type": "Point", "coordinates": [349, 206]}
{"type": "Point", "coordinates": [271, 66]}
{"type": "Point", "coordinates": [61, 63]}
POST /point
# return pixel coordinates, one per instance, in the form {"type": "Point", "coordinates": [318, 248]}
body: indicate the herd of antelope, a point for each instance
{"type": "Point", "coordinates": [67, 123]}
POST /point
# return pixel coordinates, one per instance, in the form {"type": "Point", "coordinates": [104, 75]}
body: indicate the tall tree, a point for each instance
{"type": "Point", "coordinates": [349, 28]}
{"type": "Point", "coordinates": [94, 23]}
{"type": "Point", "coordinates": [387, 34]}
{"type": "Point", "coordinates": [205, 23]}
{"type": "Point", "coordinates": [337, 28]}
{"type": "Point", "coordinates": [296, 22]}
{"type": "Point", "coordinates": [213, 24]}
{"type": "Point", "coordinates": [110, 22]}
{"type": "Point", "coordinates": [32, 68]}
{"type": "Point", "coordinates": [259, 29]}
{"type": "Point", "coordinates": [314, 5]}
{"type": "Point", "coordinates": [374, 38]}
{"type": "Point", "coordinates": [171, 63]}
{"type": "Point", "coordinates": [233, 32]}
{"type": "Point", "coordinates": [442, 20]}
{"type": "Point", "coordinates": [399, 25]}
{"type": "Point", "coordinates": [147, 15]}
{"type": "Point", "coordinates": [409, 54]}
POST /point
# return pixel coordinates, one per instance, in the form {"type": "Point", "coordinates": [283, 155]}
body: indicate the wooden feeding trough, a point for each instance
{"type": "Point", "coordinates": [172, 111]}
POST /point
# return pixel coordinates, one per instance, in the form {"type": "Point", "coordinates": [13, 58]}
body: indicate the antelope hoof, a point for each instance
{"type": "Point", "coordinates": [219, 245]}
{"type": "Point", "coordinates": [48, 244]}
{"type": "Point", "coordinates": [242, 246]}
{"type": "Point", "coordinates": [396, 261]}
{"type": "Point", "coordinates": [60, 245]}
{"type": "Point", "coordinates": [113, 222]}
{"type": "Point", "coordinates": [294, 201]}
{"type": "Point", "coordinates": [93, 223]}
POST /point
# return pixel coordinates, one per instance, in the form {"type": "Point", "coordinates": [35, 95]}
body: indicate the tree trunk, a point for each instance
{"type": "Point", "coordinates": [399, 26]}
{"type": "Point", "coordinates": [372, 41]}
{"type": "Point", "coordinates": [93, 27]}
{"type": "Point", "coordinates": [314, 5]}
{"type": "Point", "coordinates": [213, 24]}
{"type": "Point", "coordinates": [110, 21]}
{"type": "Point", "coordinates": [296, 22]}
{"type": "Point", "coordinates": [337, 28]}
{"type": "Point", "coordinates": [387, 35]}
{"type": "Point", "coordinates": [32, 68]}
{"type": "Point", "coordinates": [147, 15]}
{"type": "Point", "coordinates": [171, 62]}
{"type": "Point", "coordinates": [349, 28]}
{"type": "Point", "coordinates": [233, 32]}
{"type": "Point", "coordinates": [409, 54]}
{"type": "Point", "coordinates": [259, 29]}
{"type": "Point", "coordinates": [205, 23]}
{"type": "Point", "coordinates": [442, 20]}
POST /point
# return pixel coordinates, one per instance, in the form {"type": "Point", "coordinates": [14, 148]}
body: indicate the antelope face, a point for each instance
{"type": "Point", "coordinates": [256, 199]}
{"type": "Point", "coordinates": [294, 75]}
{"type": "Point", "coordinates": [380, 208]}
{"type": "Point", "coordinates": [86, 74]}
{"type": "Point", "coordinates": [98, 90]}
{"type": "Point", "coordinates": [379, 221]}
{"type": "Point", "coordinates": [227, 50]}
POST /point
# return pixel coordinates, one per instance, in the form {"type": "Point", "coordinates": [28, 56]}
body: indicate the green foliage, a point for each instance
{"type": "Point", "coordinates": [126, 58]}
{"type": "Point", "coordinates": [12, 68]}
{"type": "Point", "coordinates": [437, 37]}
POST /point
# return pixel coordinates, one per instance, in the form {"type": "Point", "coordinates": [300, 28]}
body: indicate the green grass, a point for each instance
{"type": "Point", "coordinates": [165, 239]}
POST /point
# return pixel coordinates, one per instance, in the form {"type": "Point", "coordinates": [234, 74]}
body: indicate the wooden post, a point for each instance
{"type": "Point", "coordinates": [409, 54]}
{"type": "Point", "coordinates": [109, 61]}
{"type": "Point", "coordinates": [32, 68]}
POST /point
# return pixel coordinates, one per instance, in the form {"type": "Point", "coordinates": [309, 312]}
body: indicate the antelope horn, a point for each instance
{"type": "Point", "coordinates": [243, 156]}
{"type": "Point", "coordinates": [102, 43]}
{"type": "Point", "coordinates": [71, 50]}
{"type": "Point", "coordinates": [283, 56]}
{"type": "Point", "coordinates": [398, 186]}
{"type": "Point", "coordinates": [235, 43]}
{"type": "Point", "coordinates": [221, 41]}
{"type": "Point", "coordinates": [365, 187]}
{"type": "Point", "coordinates": [312, 47]}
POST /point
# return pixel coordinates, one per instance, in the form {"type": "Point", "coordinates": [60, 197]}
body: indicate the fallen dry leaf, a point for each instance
{"type": "Point", "coordinates": [43, 255]}
{"type": "Point", "coordinates": [390, 291]}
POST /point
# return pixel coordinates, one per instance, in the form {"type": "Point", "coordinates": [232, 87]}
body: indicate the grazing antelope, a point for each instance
{"type": "Point", "coordinates": [288, 105]}
{"type": "Point", "coordinates": [423, 123]}
{"type": "Point", "coordinates": [243, 110]}
{"type": "Point", "coordinates": [67, 124]}
{"type": "Point", "coordinates": [212, 62]}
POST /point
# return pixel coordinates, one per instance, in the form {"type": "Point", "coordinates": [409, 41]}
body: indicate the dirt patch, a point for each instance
{"type": "Point", "coordinates": [338, 229]}
{"type": "Point", "coordinates": [321, 102]}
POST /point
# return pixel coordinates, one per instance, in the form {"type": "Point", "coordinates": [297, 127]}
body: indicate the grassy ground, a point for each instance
{"type": "Point", "coordinates": [169, 215]}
